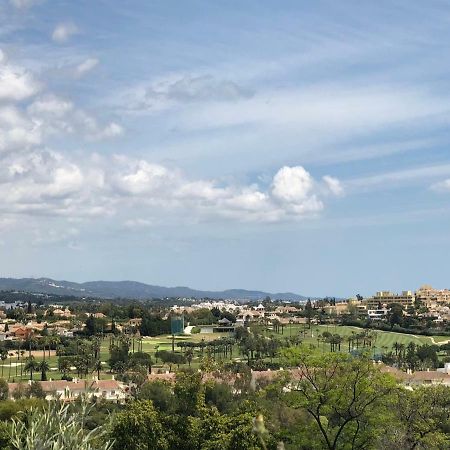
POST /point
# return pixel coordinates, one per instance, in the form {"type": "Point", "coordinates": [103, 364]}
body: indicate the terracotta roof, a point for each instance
{"type": "Point", "coordinates": [81, 385]}
{"type": "Point", "coordinates": [396, 373]}
{"type": "Point", "coordinates": [432, 375]}
{"type": "Point", "coordinates": [162, 376]}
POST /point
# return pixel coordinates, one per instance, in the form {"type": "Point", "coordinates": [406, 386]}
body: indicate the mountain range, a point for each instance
{"type": "Point", "coordinates": [131, 290]}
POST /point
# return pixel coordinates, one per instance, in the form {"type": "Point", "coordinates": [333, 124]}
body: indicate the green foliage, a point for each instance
{"type": "Point", "coordinates": [219, 395]}
{"type": "Point", "coordinates": [139, 428]}
{"type": "Point", "coordinates": [154, 325]}
{"type": "Point", "coordinates": [4, 436]}
{"type": "Point", "coordinates": [4, 390]}
{"type": "Point", "coordinates": [170, 358]}
{"type": "Point", "coordinates": [56, 428]}
{"type": "Point", "coordinates": [346, 397]}
{"type": "Point", "coordinates": [421, 420]}
{"type": "Point", "coordinates": [94, 325]}
{"type": "Point", "coordinates": [160, 393]}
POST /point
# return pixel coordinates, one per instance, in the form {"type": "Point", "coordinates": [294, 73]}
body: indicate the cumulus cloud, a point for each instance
{"type": "Point", "coordinates": [17, 131]}
{"type": "Point", "coordinates": [292, 184]}
{"type": "Point", "coordinates": [15, 83]}
{"type": "Point", "coordinates": [85, 67]}
{"type": "Point", "coordinates": [53, 114]}
{"type": "Point", "coordinates": [46, 182]}
{"type": "Point", "coordinates": [36, 180]}
{"type": "Point", "coordinates": [50, 106]}
{"type": "Point", "coordinates": [64, 31]}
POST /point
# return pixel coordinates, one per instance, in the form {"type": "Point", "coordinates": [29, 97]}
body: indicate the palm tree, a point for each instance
{"type": "Point", "coordinates": [3, 356]}
{"type": "Point", "coordinates": [98, 368]}
{"type": "Point", "coordinates": [22, 352]}
{"type": "Point", "coordinates": [64, 366]}
{"type": "Point", "coordinates": [43, 367]}
{"type": "Point", "coordinates": [30, 366]}
{"type": "Point", "coordinates": [189, 355]}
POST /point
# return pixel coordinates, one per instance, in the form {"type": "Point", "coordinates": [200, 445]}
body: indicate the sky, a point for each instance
{"type": "Point", "coordinates": [283, 146]}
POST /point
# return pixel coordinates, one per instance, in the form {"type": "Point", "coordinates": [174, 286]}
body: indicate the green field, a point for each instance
{"type": "Point", "coordinates": [384, 342]}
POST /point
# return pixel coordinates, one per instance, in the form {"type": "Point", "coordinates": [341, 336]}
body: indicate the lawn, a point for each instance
{"type": "Point", "coordinates": [385, 339]}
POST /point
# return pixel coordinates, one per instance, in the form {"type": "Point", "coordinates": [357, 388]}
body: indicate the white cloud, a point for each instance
{"type": "Point", "coordinates": [49, 183]}
{"type": "Point", "coordinates": [35, 180]}
{"type": "Point", "coordinates": [441, 186]}
{"type": "Point", "coordinates": [398, 177]}
{"type": "Point", "coordinates": [17, 131]}
{"type": "Point", "coordinates": [333, 185]}
{"type": "Point", "coordinates": [86, 66]}
{"type": "Point", "coordinates": [292, 184]}
{"type": "Point", "coordinates": [50, 106]}
{"type": "Point", "coordinates": [140, 177]}
{"type": "Point", "coordinates": [57, 115]}
{"type": "Point", "coordinates": [64, 31]}
{"type": "Point", "coordinates": [178, 89]}
{"type": "Point", "coordinates": [15, 83]}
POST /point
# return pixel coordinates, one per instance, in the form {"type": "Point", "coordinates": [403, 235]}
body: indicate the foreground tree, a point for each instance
{"type": "Point", "coordinates": [345, 397]}
{"type": "Point", "coordinates": [421, 421]}
{"type": "Point", "coordinates": [139, 428]}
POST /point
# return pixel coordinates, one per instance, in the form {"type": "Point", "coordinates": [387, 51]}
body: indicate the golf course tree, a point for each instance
{"type": "Point", "coordinates": [345, 398]}
{"type": "Point", "coordinates": [31, 366]}
{"type": "Point", "coordinates": [141, 359]}
{"type": "Point", "coordinates": [3, 357]}
{"type": "Point", "coordinates": [119, 353]}
{"type": "Point", "coordinates": [43, 367]}
{"type": "Point", "coordinates": [170, 358]}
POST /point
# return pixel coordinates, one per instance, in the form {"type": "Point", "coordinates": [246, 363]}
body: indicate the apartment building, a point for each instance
{"type": "Point", "coordinates": [431, 297]}
{"type": "Point", "coordinates": [384, 298]}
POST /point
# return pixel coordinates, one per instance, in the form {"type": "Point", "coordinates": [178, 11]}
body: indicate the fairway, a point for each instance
{"type": "Point", "coordinates": [384, 341]}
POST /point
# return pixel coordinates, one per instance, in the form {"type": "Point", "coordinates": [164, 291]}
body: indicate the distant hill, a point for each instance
{"type": "Point", "coordinates": [131, 290]}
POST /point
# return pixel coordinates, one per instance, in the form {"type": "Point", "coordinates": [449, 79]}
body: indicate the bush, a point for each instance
{"type": "Point", "coordinates": [195, 330]}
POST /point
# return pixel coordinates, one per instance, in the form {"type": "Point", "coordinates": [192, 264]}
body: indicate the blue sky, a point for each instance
{"type": "Point", "coordinates": [284, 146]}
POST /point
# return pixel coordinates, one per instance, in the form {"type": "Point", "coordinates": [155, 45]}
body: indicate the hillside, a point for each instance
{"type": "Point", "coordinates": [131, 289]}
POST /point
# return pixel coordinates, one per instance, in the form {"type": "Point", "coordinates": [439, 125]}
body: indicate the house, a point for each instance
{"type": "Point", "coordinates": [429, 377]}
{"type": "Point", "coordinates": [62, 313]}
{"type": "Point", "coordinates": [134, 322]}
{"type": "Point", "coordinates": [22, 332]}
{"type": "Point", "coordinates": [99, 315]}
{"type": "Point", "coordinates": [421, 377]}
{"type": "Point", "coordinates": [68, 391]}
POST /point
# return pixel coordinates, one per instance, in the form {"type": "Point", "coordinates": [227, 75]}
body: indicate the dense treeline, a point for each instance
{"type": "Point", "coordinates": [339, 402]}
